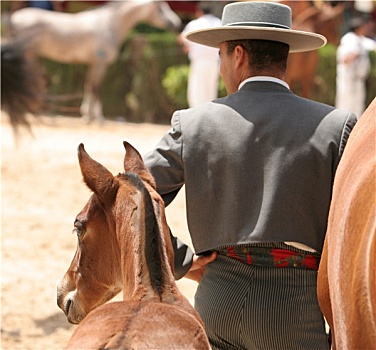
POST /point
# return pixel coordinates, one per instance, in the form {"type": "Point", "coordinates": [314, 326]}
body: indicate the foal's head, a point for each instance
{"type": "Point", "coordinates": [107, 231]}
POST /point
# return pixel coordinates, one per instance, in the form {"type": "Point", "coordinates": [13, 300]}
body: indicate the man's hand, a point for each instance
{"type": "Point", "coordinates": [198, 266]}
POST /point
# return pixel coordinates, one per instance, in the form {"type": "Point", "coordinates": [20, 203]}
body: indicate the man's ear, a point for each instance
{"type": "Point", "coordinates": [241, 56]}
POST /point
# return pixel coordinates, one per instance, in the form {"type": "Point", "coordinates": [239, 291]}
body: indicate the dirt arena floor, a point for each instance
{"type": "Point", "coordinates": [41, 193]}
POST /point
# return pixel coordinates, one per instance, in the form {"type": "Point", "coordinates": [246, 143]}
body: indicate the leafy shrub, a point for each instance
{"type": "Point", "coordinates": [175, 83]}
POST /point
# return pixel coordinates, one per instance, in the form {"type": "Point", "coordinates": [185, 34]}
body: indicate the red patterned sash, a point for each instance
{"type": "Point", "coordinates": [272, 257]}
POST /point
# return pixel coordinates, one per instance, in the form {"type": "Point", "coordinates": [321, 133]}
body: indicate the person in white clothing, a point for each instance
{"type": "Point", "coordinates": [353, 67]}
{"type": "Point", "coordinates": [203, 76]}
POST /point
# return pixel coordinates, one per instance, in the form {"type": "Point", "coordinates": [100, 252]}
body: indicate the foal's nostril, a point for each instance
{"type": "Point", "coordinates": [60, 300]}
{"type": "Point", "coordinates": [67, 306]}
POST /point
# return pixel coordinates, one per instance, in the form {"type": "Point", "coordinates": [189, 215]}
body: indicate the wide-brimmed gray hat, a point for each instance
{"type": "Point", "coordinates": [257, 20]}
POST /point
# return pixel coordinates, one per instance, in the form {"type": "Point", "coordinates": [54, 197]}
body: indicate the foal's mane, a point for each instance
{"type": "Point", "coordinates": [153, 242]}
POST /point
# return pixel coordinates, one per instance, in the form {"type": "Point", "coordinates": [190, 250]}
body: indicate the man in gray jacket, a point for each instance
{"type": "Point", "coordinates": [258, 167]}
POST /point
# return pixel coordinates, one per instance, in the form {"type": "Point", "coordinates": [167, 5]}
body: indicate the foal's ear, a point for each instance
{"type": "Point", "coordinates": [133, 163]}
{"type": "Point", "coordinates": [97, 177]}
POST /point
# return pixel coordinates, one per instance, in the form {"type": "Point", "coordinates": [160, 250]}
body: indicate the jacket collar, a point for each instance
{"type": "Point", "coordinates": [264, 78]}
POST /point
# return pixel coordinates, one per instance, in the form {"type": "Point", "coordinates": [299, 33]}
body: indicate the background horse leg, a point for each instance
{"type": "Point", "coordinates": [310, 60]}
{"type": "Point", "coordinates": [91, 107]}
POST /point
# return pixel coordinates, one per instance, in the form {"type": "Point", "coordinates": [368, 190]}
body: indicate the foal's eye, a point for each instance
{"type": "Point", "coordinates": [79, 228]}
{"type": "Point", "coordinates": [77, 231]}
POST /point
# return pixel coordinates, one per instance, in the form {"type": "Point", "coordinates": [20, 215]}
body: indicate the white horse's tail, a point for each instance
{"type": "Point", "coordinates": [22, 82]}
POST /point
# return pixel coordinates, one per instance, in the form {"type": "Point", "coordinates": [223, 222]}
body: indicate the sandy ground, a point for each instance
{"type": "Point", "coordinates": [41, 193]}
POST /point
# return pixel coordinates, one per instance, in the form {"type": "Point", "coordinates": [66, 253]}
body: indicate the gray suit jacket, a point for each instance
{"type": "Point", "coordinates": [258, 166]}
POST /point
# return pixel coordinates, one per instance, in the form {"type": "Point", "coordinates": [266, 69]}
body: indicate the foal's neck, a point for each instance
{"type": "Point", "coordinates": [146, 261]}
{"type": "Point", "coordinates": [147, 254]}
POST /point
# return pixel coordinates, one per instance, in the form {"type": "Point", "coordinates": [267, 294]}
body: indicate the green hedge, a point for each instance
{"type": "Point", "coordinates": [148, 81]}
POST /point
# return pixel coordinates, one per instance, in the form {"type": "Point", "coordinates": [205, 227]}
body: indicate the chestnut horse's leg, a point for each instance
{"type": "Point", "coordinates": [323, 292]}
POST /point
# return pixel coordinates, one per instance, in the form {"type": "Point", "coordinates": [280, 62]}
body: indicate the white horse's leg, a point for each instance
{"type": "Point", "coordinates": [85, 104]}
{"type": "Point", "coordinates": [91, 107]}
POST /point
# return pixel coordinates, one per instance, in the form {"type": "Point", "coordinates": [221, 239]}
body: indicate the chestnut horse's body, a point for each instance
{"type": "Point", "coordinates": [124, 243]}
{"type": "Point", "coordinates": [90, 37]}
{"type": "Point", "coordinates": [347, 273]}
{"type": "Point", "coordinates": [327, 20]}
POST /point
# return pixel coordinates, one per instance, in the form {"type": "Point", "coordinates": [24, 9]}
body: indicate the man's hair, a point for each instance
{"type": "Point", "coordinates": [356, 23]}
{"type": "Point", "coordinates": [206, 10]}
{"type": "Point", "coordinates": [263, 54]}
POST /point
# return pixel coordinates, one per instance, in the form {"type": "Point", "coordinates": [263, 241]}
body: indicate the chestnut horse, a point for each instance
{"type": "Point", "coordinates": [90, 37]}
{"type": "Point", "coordinates": [347, 274]}
{"type": "Point", "coordinates": [327, 21]}
{"type": "Point", "coordinates": [124, 243]}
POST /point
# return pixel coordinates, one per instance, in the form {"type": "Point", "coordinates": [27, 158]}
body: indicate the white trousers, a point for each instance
{"type": "Point", "coordinates": [351, 96]}
{"type": "Point", "coordinates": [202, 82]}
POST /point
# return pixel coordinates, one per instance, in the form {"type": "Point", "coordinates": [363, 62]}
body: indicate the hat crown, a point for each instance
{"type": "Point", "coordinates": [257, 14]}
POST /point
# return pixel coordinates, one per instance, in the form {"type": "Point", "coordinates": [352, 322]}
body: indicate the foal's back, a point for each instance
{"type": "Point", "coordinates": [148, 325]}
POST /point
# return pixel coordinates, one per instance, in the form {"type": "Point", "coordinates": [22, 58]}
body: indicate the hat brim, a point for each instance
{"type": "Point", "coordinates": [298, 41]}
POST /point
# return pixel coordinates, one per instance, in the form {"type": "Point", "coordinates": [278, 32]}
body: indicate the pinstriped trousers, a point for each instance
{"type": "Point", "coordinates": [258, 307]}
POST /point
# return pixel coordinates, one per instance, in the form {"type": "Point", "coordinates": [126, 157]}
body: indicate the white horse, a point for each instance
{"type": "Point", "coordinates": [89, 37]}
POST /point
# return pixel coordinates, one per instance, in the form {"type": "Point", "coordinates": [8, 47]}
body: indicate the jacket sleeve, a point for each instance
{"type": "Point", "coordinates": [347, 128]}
{"type": "Point", "coordinates": [183, 257]}
{"type": "Point", "coordinates": [166, 165]}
